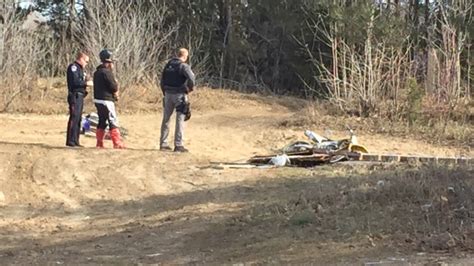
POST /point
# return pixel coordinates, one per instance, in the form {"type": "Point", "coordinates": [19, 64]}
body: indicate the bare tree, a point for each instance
{"type": "Point", "coordinates": [381, 78]}
{"type": "Point", "coordinates": [20, 57]}
{"type": "Point", "coordinates": [138, 39]}
{"type": "Point", "coordinates": [447, 42]}
{"type": "Point", "coordinates": [362, 82]}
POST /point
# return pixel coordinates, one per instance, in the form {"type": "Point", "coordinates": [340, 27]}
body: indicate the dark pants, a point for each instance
{"type": "Point", "coordinates": [76, 104]}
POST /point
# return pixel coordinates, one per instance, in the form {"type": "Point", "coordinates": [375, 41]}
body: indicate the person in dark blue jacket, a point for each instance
{"type": "Point", "coordinates": [77, 82]}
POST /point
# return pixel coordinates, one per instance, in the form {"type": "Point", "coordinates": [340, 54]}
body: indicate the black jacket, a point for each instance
{"type": "Point", "coordinates": [177, 77]}
{"type": "Point", "coordinates": [105, 84]}
{"type": "Point", "coordinates": [76, 80]}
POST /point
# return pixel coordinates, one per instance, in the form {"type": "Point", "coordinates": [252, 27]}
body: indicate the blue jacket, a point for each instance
{"type": "Point", "coordinates": [76, 78]}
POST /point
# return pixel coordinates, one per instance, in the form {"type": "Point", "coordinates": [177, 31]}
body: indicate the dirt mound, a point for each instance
{"type": "Point", "coordinates": [140, 205]}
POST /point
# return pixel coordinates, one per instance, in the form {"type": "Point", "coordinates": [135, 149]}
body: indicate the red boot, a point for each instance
{"type": "Point", "coordinates": [99, 135]}
{"type": "Point", "coordinates": [116, 139]}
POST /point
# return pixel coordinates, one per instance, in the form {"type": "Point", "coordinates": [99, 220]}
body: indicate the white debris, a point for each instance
{"type": "Point", "coordinates": [280, 160]}
{"type": "Point", "coordinates": [314, 137]}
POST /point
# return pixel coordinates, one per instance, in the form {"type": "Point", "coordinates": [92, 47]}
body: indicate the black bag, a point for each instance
{"type": "Point", "coordinates": [184, 108]}
{"type": "Point", "coordinates": [187, 113]}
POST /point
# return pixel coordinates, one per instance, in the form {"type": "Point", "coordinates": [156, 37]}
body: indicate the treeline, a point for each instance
{"type": "Point", "coordinates": [382, 57]}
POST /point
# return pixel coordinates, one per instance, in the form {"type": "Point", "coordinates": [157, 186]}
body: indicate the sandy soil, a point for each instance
{"type": "Point", "coordinates": [73, 206]}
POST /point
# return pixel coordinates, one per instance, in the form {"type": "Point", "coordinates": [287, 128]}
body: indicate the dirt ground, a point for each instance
{"type": "Point", "coordinates": [63, 205]}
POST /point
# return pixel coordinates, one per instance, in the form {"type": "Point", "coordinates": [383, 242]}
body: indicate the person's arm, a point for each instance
{"type": "Point", "coordinates": [113, 85]}
{"type": "Point", "coordinates": [88, 80]}
{"type": "Point", "coordinates": [188, 73]}
{"type": "Point", "coordinates": [162, 81]}
{"type": "Point", "coordinates": [110, 78]}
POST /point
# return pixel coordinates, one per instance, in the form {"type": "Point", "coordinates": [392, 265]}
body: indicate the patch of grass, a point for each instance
{"type": "Point", "coordinates": [407, 205]}
{"type": "Point", "coordinates": [426, 125]}
{"type": "Point", "coordinates": [302, 218]}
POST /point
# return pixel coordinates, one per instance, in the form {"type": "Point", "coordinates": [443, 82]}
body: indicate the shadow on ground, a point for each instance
{"type": "Point", "coordinates": [310, 219]}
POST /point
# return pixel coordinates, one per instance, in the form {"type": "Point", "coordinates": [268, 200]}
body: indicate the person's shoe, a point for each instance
{"type": "Point", "coordinates": [79, 146]}
{"type": "Point", "coordinates": [99, 135]}
{"type": "Point", "coordinates": [165, 148]}
{"type": "Point", "coordinates": [116, 139]}
{"type": "Point", "coordinates": [180, 149]}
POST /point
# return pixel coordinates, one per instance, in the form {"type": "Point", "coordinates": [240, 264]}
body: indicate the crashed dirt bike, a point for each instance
{"type": "Point", "coordinates": [89, 126]}
{"type": "Point", "coordinates": [317, 142]}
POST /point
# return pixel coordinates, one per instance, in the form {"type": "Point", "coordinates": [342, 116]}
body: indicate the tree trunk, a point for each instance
{"type": "Point", "coordinates": [72, 17]}
{"type": "Point", "coordinates": [85, 8]}
{"type": "Point", "coordinates": [427, 11]}
{"type": "Point", "coordinates": [416, 7]}
{"type": "Point", "coordinates": [397, 7]}
{"type": "Point", "coordinates": [226, 11]}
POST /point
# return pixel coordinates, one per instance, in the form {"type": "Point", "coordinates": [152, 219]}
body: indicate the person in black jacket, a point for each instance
{"type": "Point", "coordinates": [177, 80]}
{"type": "Point", "coordinates": [105, 96]}
{"type": "Point", "coordinates": [77, 81]}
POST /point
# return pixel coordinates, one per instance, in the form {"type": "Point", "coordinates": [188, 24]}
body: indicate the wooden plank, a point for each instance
{"type": "Point", "coordinates": [369, 157]}
{"type": "Point", "coordinates": [234, 166]}
{"type": "Point", "coordinates": [314, 155]}
{"type": "Point", "coordinates": [464, 161]}
{"type": "Point", "coordinates": [324, 156]}
{"type": "Point", "coordinates": [447, 160]}
{"type": "Point", "coordinates": [229, 163]}
{"type": "Point", "coordinates": [427, 159]}
{"type": "Point", "coordinates": [390, 158]}
{"type": "Point", "coordinates": [309, 156]}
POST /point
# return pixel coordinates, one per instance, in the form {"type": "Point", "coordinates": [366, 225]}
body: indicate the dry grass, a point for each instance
{"type": "Point", "coordinates": [48, 96]}
{"type": "Point", "coordinates": [431, 127]}
{"type": "Point", "coordinates": [430, 208]}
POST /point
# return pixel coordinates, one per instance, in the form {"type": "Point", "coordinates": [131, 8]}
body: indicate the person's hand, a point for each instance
{"type": "Point", "coordinates": [116, 96]}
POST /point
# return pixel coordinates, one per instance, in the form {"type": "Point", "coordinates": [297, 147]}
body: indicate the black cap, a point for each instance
{"type": "Point", "coordinates": [105, 56]}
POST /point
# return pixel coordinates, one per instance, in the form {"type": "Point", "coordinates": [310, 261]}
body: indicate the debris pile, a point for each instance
{"type": "Point", "coordinates": [318, 150]}
{"type": "Point", "coordinates": [322, 150]}
{"type": "Point", "coordinates": [307, 158]}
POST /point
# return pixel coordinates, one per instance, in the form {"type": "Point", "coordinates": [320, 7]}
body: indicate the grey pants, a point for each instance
{"type": "Point", "coordinates": [171, 101]}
